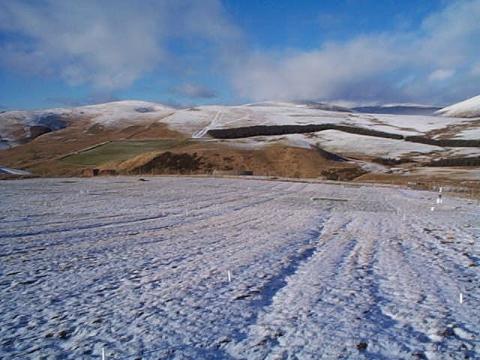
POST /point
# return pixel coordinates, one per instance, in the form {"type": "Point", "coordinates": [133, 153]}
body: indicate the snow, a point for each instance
{"type": "Point", "coordinates": [470, 134]}
{"type": "Point", "coordinates": [350, 144]}
{"type": "Point", "coordinates": [195, 122]}
{"type": "Point", "coordinates": [4, 144]}
{"type": "Point", "coordinates": [203, 132]}
{"type": "Point", "coordinates": [199, 120]}
{"type": "Point", "coordinates": [112, 114]}
{"type": "Point", "coordinates": [398, 109]}
{"type": "Point", "coordinates": [140, 269]}
{"type": "Point", "coordinates": [120, 113]}
{"type": "Point", "coordinates": [13, 121]}
{"type": "Point", "coordinates": [463, 152]}
{"type": "Point", "coordinates": [467, 108]}
{"type": "Point", "coordinates": [353, 145]}
{"type": "Point", "coordinates": [300, 141]}
{"type": "Point", "coordinates": [414, 124]}
{"type": "Point", "coordinates": [6, 170]}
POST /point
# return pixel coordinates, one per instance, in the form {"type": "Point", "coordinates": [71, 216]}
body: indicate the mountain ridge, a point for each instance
{"type": "Point", "coordinates": [469, 108]}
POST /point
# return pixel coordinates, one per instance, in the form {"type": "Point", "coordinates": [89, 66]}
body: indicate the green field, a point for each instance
{"type": "Point", "coordinates": [120, 150]}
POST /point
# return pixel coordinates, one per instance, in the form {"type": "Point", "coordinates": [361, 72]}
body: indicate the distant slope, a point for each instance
{"type": "Point", "coordinates": [302, 103]}
{"type": "Point", "coordinates": [398, 109]}
{"type": "Point", "coordinates": [17, 127]}
{"type": "Point", "coordinates": [469, 108]}
{"type": "Point", "coordinates": [47, 141]}
{"type": "Point", "coordinates": [9, 171]}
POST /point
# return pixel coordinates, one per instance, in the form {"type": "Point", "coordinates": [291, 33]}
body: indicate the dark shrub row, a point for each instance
{"type": "Point", "coordinates": [390, 161]}
{"type": "Point", "coordinates": [367, 132]}
{"type": "Point", "coordinates": [470, 161]}
{"type": "Point", "coordinates": [270, 130]}
{"type": "Point", "coordinates": [169, 162]}
{"type": "Point", "coordinates": [329, 155]}
{"type": "Point", "coordinates": [443, 143]}
{"type": "Point", "coordinates": [266, 130]}
{"type": "Point", "coordinates": [343, 174]}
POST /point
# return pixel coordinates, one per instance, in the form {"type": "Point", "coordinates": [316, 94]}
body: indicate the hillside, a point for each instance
{"type": "Point", "coordinates": [469, 108]}
{"type": "Point", "coordinates": [130, 136]}
{"type": "Point", "coordinates": [398, 109]}
{"type": "Point", "coordinates": [17, 127]}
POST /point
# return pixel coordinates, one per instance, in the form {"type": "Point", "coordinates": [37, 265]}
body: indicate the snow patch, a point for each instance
{"type": "Point", "coordinates": [468, 108]}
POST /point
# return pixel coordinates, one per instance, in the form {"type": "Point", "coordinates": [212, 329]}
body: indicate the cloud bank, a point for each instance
{"type": "Point", "coordinates": [107, 44]}
{"type": "Point", "coordinates": [437, 63]}
{"type": "Point", "coordinates": [194, 91]}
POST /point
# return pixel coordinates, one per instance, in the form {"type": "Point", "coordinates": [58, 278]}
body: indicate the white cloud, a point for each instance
{"type": "Point", "coordinates": [326, 73]}
{"type": "Point", "coordinates": [441, 74]}
{"type": "Point", "coordinates": [108, 44]}
{"type": "Point", "coordinates": [194, 91]}
{"type": "Point", "coordinates": [475, 71]}
{"type": "Point", "coordinates": [389, 67]}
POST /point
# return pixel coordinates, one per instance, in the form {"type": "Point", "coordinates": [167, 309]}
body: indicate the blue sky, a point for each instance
{"type": "Point", "coordinates": [66, 52]}
{"type": "Point", "coordinates": [307, 24]}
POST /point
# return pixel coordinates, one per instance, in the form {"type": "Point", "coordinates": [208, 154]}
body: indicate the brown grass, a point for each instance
{"type": "Point", "coordinates": [42, 157]}
{"type": "Point", "coordinates": [274, 160]}
{"type": "Point", "coordinates": [42, 154]}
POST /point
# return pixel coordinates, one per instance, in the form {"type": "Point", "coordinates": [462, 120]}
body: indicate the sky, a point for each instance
{"type": "Point", "coordinates": [183, 52]}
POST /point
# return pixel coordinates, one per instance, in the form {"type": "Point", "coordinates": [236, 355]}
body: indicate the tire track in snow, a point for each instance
{"type": "Point", "coordinates": [141, 290]}
{"type": "Point", "coordinates": [233, 204]}
{"type": "Point", "coordinates": [441, 277]}
{"type": "Point", "coordinates": [290, 306]}
{"type": "Point", "coordinates": [366, 290]}
{"type": "Point", "coordinates": [173, 270]}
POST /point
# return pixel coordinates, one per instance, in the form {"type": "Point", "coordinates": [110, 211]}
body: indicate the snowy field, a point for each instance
{"type": "Point", "coordinates": [317, 271]}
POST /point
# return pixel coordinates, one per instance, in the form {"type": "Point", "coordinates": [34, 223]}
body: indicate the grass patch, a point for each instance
{"type": "Point", "coordinates": [121, 150]}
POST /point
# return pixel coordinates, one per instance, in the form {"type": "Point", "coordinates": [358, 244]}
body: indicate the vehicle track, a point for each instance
{"type": "Point", "coordinates": [361, 278]}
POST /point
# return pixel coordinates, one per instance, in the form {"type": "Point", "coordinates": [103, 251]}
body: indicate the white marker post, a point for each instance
{"type": "Point", "coordinates": [103, 353]}
{"type": "Point", "coordinates": [432, 208]}
{"type": "Point", "coordinates": [229, 276]}
{"type": "Point", "coordinates": [461, 298]}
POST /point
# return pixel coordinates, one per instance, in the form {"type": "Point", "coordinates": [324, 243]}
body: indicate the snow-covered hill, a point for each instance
{"type": "Point", "coordinates": [16, 126]}
{"type": "Point", "coordinates": [196, 122]}
{"type": "Point", "coordinates": [199, 120]}
{"type": "Point", "coordinates": [468, 109]}
{"type": "Point", "coordinates": [283, 113]}
{"type": "Point", "coordinates": [124, 113]}
{"type": "Point", "coordinates": [398, 109]}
